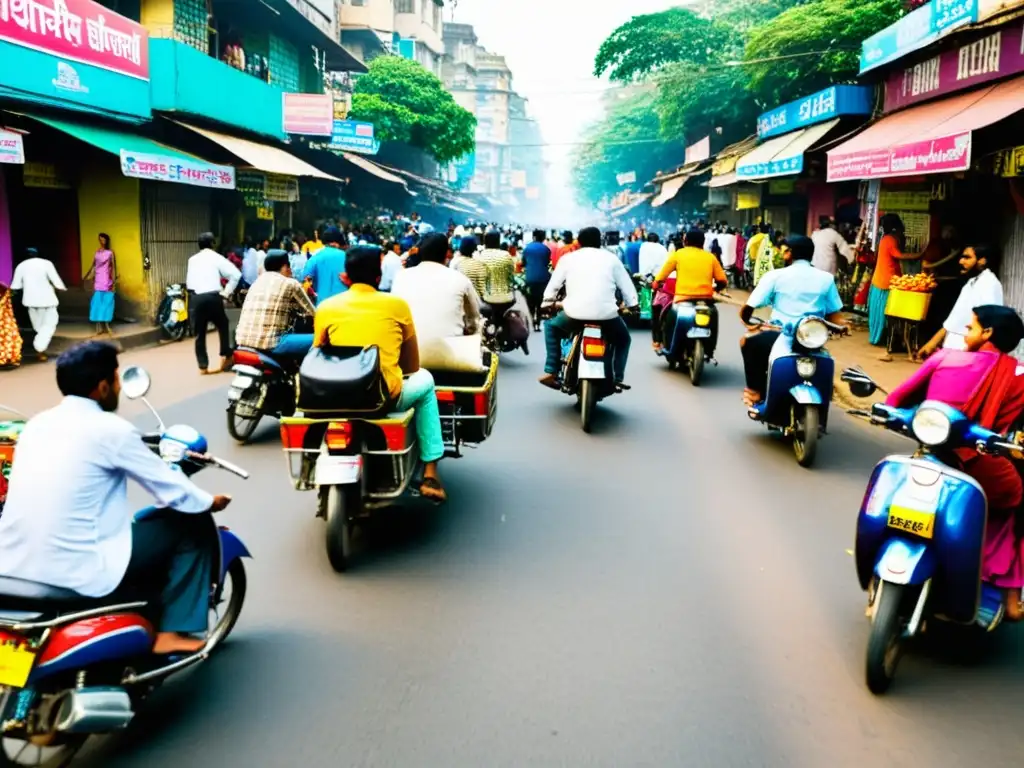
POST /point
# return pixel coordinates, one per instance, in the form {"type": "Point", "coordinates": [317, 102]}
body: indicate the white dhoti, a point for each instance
{"type": "Point", "coordinates": [44, 323]}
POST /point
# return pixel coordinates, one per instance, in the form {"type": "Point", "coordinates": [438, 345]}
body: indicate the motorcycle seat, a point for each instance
{"type": "Point", "coordinates": [244, 355]}
{"type": "Point", "coordinates": [23, 595]}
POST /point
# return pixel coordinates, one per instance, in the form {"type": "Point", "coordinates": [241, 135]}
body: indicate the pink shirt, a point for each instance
{"type": "Point", "coordinates": [104, 277]}
{"type": "Point", "coordinates": [950, 376]}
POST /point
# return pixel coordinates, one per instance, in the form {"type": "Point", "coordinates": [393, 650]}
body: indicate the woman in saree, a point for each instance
{"type": "Point", "coordinates": [983, 383]}
{"type": "Point", "coordinates": [10, 338]}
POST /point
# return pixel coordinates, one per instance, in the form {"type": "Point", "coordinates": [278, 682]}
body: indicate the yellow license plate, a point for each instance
{"type": "Point", "coordinates": [912, 521]}
{"type": "Point", "coordinates": [15, 665]}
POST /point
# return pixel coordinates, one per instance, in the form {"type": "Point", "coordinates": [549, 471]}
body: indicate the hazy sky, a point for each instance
{"type": "Point", "coordinates": [550, 47]}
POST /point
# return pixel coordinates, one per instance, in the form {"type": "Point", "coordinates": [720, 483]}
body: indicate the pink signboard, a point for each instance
{"type": "Point", "coordinates": [942, 155]}
{"type": "Point", "coordinates": [308, 114]}
{"type": "Point", "coordinates": [996, 55]}
{"type": "Point", "coordinates": [77, 30]}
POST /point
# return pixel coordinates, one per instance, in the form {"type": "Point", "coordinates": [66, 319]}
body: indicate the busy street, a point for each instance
{"type": "Point", "coordinates": [671, 588]}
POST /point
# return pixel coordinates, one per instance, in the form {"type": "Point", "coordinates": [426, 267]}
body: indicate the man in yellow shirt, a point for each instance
{"type": "Point", "coordinates": [698, 275]}
{"type": "Point", "coordinates": [311, 247]}
{"type": "Point", "coordinates": [363, 317]}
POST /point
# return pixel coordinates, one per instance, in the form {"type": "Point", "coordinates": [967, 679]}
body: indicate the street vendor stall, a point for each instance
{"type": "Point", "coordinates": [906, 309]}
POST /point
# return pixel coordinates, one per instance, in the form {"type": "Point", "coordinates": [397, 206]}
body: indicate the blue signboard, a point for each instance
{"type": "Point", "coordinates": [816, 108]}
{"type": "Point", "coordinates": [916, 30]}
{"type": "Point", "coordinates": [353, 136]}
{"type": "Point", "coordinates": [783, 166]}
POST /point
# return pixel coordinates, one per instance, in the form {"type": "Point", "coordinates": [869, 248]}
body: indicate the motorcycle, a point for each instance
{"type": "Point", "coordinates": [586, 368]}
{"type": "Point", "coordinates": [72, 667]}
{"type": "Point", "coordinates": [921, 530]}
{"type": "Point", "coordinates": [10, 430]}
{"type": "Point", "coordinates": [694, 337]}
{"type": "Point", "coordinates": [799, 385]}
{"type": "Point", "coordinates": [507, 333]}
{"type": "Point", "coordinates": [646, 296]}
{"type": "Point", "coordinates": [263, 385]}
{"type": "Point", "coordinates": [172, 314]}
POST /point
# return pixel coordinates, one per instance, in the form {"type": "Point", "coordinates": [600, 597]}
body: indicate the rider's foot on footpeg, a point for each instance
{"type": "Point", "coordinates": [622, 387]}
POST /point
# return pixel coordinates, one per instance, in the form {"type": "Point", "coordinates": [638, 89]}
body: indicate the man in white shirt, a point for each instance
{"type": "Point", "coordinates": [205, 271]}
{"type": "Point", "coordinates": [652, 255]}
{"type": "Point", "coordinates": [982, 288]}
{"type": "Point", "coordinates": [38, 281]}
{"type": "Point", "coordinates": [443, 301]}
{"type": "Point", "coordinates": [390, 266]}
{"type": "Point", "coordinates": [727, 241]}
{"type": "Point", "coordinates": [591, 276]}
{"type": "Point", "coordinates": [827, 244]}
{"type": "Point", "coordinates": [67, 523]}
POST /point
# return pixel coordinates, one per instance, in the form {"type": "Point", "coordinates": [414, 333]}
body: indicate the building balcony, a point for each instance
{"type": "Point", "coordinates": [189, 82]}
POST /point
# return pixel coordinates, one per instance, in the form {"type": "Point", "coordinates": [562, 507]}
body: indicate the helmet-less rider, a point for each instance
{"type": "Point", "coordinates": [793, 292]}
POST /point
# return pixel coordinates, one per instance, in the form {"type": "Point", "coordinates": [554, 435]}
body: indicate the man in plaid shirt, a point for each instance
{"type": "Point", "coordinates": [272, 304]}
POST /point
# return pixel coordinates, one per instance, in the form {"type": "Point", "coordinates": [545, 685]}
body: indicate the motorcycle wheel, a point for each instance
{"type": "Point", "coordinates": [588, 401]}
{"type": "Point", "coordinates": [241, 428]}
{"type": "Point", "coordinates": [805, 434]}
{"type": "Point", "coordinates": [342, 503]}
{"type": "Point", "coordinates": [885, 644]}
{"type": "Point", "coordinates": [697, 363]}
{"type": "Point", "coordinates": [224, 623]}
{"type": "Point", "coordinates": [15, 753]}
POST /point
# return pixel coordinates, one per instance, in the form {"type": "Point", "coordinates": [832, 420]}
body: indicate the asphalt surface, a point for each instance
{"type": "Point", "coordinates": [672, 590]}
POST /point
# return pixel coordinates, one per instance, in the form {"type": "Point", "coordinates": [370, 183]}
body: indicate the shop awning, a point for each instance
{"type": "Point", "coordinates": [627, 208]}
{"type": "Point", "coordinates": [262, 157]}
{"type": "Point", "coordinates": [668, 190]}
{"type": "Point", "coordinates": [930, 138]}
{"type": "Point", "coordinates": [372, 168]}
{"type": "Point", "coordinates": [725, 180]}
{"type": "Point", "coordinates": [783, 155]}
{"type": "Point", "coordinates": [144, 158]}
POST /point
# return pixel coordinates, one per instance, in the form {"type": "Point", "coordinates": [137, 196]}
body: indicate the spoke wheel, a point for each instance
{"type": "Point", "coordinates": [244, 416]}
{"type": "Point", "coordinates": [224, 614]}
{"type": "Point", "coordinates": [805, 434]}
{"type": "Point", "coordinates": [24, 754]}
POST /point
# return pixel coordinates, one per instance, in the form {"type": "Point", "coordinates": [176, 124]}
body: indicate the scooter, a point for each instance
{"type": "Point", "coordinates": [172, 314]}
{"type": "Point", "coordinates": [72, 667]}
{"type": "Point", "coordinates": [799, 385]}
{"type": "Point", "coordinates": [921, 530]}
{"type": "Point", "coordinates": [693, 339]}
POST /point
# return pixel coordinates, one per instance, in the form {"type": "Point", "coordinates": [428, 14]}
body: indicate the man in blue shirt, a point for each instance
{"type": "Point", "coordinates": [794, 292]}
{"type": "Point", "coordinates": [631, 255]}
{"type": "Point", "coordinates": [537, 264]}
{"type": "Point", "coordinates": [326, 266]}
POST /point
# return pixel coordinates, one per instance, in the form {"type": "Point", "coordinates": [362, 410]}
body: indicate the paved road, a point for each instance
{"type": "Point", "coordinates": [671, 590]}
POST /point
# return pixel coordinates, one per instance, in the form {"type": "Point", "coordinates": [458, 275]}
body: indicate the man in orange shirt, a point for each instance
{"type": "Point", "coordinates": [698, 275]}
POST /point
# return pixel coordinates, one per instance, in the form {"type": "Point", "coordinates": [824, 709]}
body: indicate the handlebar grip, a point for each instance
{"type": "Point", "coordinates": [227, 466]}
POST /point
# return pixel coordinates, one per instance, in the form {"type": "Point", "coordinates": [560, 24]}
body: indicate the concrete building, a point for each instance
{"type": "Point", "coordinates": [408, 28]}
{"type": "Point", "coordinates": [366, 27]}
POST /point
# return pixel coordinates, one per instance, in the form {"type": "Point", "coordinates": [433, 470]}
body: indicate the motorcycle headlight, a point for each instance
{"type": "Point", "coordinates": [806, 367]}
{"type": "Point", "coordinates": [811, 333]}
{"type": "Point", "coordinates": [931, 426]}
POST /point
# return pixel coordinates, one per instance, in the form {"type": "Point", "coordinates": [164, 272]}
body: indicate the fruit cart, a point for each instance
{"type": "Point", "coordinates": [909, 299]}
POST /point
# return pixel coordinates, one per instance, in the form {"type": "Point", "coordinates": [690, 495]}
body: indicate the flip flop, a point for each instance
{"type": "Point", "coordinates": [432, 490]}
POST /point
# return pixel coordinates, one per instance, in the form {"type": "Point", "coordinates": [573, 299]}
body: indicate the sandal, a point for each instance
{"type": "Point", "coordinates": [432, 489]}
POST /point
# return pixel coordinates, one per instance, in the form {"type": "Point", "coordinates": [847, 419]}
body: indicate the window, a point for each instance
{"type": "Point", "coordinates": [405, 6]}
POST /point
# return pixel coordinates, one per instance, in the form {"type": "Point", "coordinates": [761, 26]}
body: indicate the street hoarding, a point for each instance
{"type": "Point", "coordinates": [307, 114]}
{"type": "Point", "coordinates": [941, 155]}
{"type": "Point", "coordinates": [917, 29]}
{"type": "Point", "coordinates": [12, 148]}
{"type": "Point", "coordinates": [139, 165]}
{"type": "Point", "coordinates": [989, 58]}
{"type": "Point", "coordinates": [824, 105]}
{"type": "Point", "coordinates": [354, 136]}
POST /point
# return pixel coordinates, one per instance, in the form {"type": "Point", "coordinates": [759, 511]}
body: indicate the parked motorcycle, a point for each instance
{"type": "Point", "coordinates": [799, 385]}
{"type": "Point", "coordinates": [172, 314]}
{"type": "Point", "coordinates": [72, 667]}
{"type": "Point", "coordinates": [921, 530]}
{"type": "Point", "coordinates": [10, 430]}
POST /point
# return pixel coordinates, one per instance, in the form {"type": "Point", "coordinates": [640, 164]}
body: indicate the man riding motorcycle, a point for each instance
{"type": "Point", "coordinates": [77, 532]}
{"type": "Point", "coordinates": [591, 276]}
{"type": "Point", "coordinates": [792, 292]}
{"type": "Point", "coordinates": [271, 306]}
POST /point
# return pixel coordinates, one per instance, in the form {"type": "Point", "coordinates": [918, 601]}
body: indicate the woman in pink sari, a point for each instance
{"type": "Point", "coordinates": [983, 383]}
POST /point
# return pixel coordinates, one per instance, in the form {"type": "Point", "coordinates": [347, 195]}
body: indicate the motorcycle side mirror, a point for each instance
{"type": "Point", "coordinates": [135, 382]}
{"type": "Point", "coordinates": [862, 389]}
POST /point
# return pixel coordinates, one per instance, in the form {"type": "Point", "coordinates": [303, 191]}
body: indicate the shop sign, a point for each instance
{"type": "Point", "coordinates": [281, 189]}
{"type": "Point", "coordinates": [782, 187]}
{"type": "Point", "coordinates": [1009, 162]}
{"type": "Point", "coordinates": [353, 136]}
{"type": "Point", "coordinates": [308, 114]}
{"type": "Point", "coordinates": [698, 152]}
{"type": "Point", "coordinates": [748, 198]}
{"type": "Point", "coordinates": [265, 211]}
{"type": "Point", "coordinates": [12, 148]}
{"type": "Point", "coordinates": [917, 29]}
{"type": "Point", "coordinates": [816, 108]}
{"type": "Point", "coordinates": [993, 56]}
{"type": "Point", "coordinates": [44, 176]}
{"type": "Point", "coordinates": [77, 30]}
{"type": "Point", "coordinates": [942, 155]}
{"type": "Point", "coordinates": [783, 166]}
{"type": "Point", "coordinates": [625, 178]}
{"type": "Point", "coordinates": [139, 165]}
{"type": "Point", "coordinates": [905, 200]}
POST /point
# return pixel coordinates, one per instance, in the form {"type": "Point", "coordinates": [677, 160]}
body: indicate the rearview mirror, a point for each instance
{"type": "Point", "coordinates": [859, 382]}
{"type": "Point", "coordinates": [135, 382]}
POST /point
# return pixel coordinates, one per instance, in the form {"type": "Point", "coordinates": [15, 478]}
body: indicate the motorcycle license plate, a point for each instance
{"type": "Point", "coordinates": [912, 521]}
{"type": "Point", "coordinates": [15, 664]}
{"type": "Point", "coordinates": [241, 382]}
{"type": "Point", "coordinates": [698, 333]}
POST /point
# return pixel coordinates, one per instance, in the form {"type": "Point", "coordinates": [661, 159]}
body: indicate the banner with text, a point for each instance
{"type": "Point", "coordinates": [353, 136]}
{"type": "Point", "coordinates": [941, 155]}
{"type": "Point", "coordinates": [917, 29]}
{"type": "Point", "coordinates": [139, 165]}
{"type": "Point", "coordinates": [308, 114]}
{"type": "Point", "coordinates": [12, 148]}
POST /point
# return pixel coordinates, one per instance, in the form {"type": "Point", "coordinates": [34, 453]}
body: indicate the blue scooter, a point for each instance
{"type": "Point", "coordinates": [800, 386]}
{"type": "Point", "coordinates": [921, 530]}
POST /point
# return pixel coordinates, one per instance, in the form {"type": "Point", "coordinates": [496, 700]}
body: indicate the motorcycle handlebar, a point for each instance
{"type": "Point", "coordinates": [227, 466]}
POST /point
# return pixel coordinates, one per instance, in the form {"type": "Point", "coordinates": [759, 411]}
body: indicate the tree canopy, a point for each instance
{"type": "Point", "coordinates": [407, 103]}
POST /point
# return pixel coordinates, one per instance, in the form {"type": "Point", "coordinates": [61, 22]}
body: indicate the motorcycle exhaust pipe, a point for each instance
{"type": "Point", "coordinates": [94, 710]}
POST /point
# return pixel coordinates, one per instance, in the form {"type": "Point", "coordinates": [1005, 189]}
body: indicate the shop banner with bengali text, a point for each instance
{"type": "Point", "coordinates": [78, 30]}
{"type": "Point", "coordinates": [12, 148]}
{"type": "Point", "coordinates": [308, 114]}
{"type": "Point", "coordinates": [139, 165]}
{"type": "Point", "coordinates": [942, 155]}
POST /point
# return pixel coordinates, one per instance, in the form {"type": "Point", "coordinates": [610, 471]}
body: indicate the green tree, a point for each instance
{"type": "Point", "coordinates": [830, 32]}
{"type": "Point", "coordinates": [694, 103]}
{"type": "Point", "coordinates": [405, 102]}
